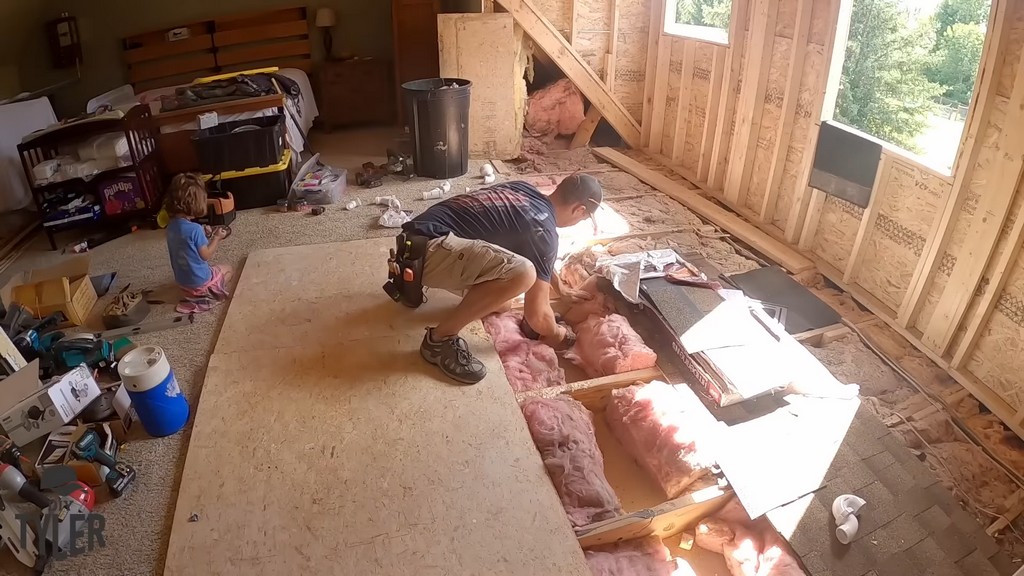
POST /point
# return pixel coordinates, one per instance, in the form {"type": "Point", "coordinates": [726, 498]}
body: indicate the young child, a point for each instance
{"type": "Point", "coordinates": [190, 250]}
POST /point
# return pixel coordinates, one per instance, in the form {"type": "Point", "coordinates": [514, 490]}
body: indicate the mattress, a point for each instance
{"type": "Point", "coordinates": [299, 119]}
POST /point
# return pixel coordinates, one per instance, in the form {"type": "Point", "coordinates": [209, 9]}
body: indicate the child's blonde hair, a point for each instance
{"type": "Point", "coordinates": [186, 196]}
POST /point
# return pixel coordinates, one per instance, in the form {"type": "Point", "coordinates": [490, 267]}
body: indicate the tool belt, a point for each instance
{"type": "Point", "coordinates": [405, 269]}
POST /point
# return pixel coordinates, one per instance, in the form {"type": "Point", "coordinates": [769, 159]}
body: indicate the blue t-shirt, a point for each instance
{"type": "Point", "coordinates": [513, 215]}
{"type": "Point", "coordinates": [184, 239]}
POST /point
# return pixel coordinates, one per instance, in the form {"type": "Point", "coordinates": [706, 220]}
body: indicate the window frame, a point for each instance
{"type": "Point", "coordinates": [831, 108]}
{"type": "Point", "coordinates": [708, 34]}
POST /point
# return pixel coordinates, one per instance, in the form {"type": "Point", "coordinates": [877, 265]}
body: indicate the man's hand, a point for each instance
{"type": "Point", "coordinates": [561, 340]}
{"type": "Point", "coordinates": [574, 296]}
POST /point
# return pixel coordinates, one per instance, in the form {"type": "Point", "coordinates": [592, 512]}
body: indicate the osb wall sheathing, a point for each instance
{"type": "Point", "coordinates": [631, 54]}
{"type": "Point", "coordinates": [771, 120]}
{"type": "Point", "coordinates": [910, 198]}
{"type": "Point", "coordinates": [589, 28]}
{"type": "Point", "coordinates": [675, 73]}
{"type": "Point", "coordinates": [788, 109]}
{"type": "Point", "coordinates": [697, 107]}
{"type": "Point", "coordinates": [837, 230]}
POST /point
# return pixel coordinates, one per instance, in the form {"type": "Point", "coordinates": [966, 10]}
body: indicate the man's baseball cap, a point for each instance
{"type": "Point", "coordinates": [584, 188]}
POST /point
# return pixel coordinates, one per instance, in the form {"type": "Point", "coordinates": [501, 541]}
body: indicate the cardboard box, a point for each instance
{"type": "Point", "coordinates": [64, 288]}
{"type": "Point", "coordinates": [32, 409]}
{"type": "Point", "coordinates": [57, 452]}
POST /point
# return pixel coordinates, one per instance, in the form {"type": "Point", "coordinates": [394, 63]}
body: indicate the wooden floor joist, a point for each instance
{"type": "Point", "coordinates": [595, 386]}
{"type": "Point", "coordinates": [665, 520]}
{"type": "Point", "coordinates": [775, 250]}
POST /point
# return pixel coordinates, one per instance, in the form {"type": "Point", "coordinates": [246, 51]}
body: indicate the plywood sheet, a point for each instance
{"type": "Point", "coordinates": [487, 49]}
{"type": "Point", "coordinates": [771, 122]}
{"type": "Point", "coordinates": [801, 140]}
{"type": "Point", "coordinates": [323, 444]}
{"type": "Point", "coordinates": [910, 200]}
{"type": "Point", "coordinates": [837, 230]}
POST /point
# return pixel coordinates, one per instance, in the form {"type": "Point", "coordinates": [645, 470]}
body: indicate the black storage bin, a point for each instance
{"type": "Point", "coordinates": [257, 187]}
{"type": "Point", "coordinates": [438, 115]}
{"type": "Point", "coordinates": [240, 144]}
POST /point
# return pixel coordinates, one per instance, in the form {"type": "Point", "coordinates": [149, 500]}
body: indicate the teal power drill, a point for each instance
{"type": "Point", "coordinates": [120, 476]}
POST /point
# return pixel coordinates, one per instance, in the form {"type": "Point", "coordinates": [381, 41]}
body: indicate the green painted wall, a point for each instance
{"type": "Point", "coordinates": [19, 21]}
{"type": "Point", "coordinates": [364, 27]}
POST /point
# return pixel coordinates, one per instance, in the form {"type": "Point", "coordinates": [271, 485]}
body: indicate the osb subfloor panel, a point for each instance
{"type": "Point", "coordinates": [323, 444]}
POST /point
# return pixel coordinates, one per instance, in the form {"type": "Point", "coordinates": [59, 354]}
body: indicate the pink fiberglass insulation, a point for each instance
{"type": "Point", "coordinates": [750, 548]}
{"type": "Point", "coordinates": [644, 557]}
{"type": "Point", "coordinates": [609, 345]}
{"type": "Point", "coordinates": [529, 365]}
{"type": "Point", "coordinates": [666, 430]}
{"type": "Point", "coordinates": [600, 305]}
{"type": "Point", "coordinates": [564, 434]}
{"type": "Point", "coordinates": [556, 110]}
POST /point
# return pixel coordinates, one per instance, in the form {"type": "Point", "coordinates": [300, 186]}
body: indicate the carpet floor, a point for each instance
{"type": "Point", "coordinates": [138, 524]}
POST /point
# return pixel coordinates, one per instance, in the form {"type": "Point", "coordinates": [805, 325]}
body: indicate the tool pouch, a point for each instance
{"type": "Point", "coordinates": [405, 270]}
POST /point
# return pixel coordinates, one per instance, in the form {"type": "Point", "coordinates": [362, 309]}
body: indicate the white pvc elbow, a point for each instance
{"type": "Point", "coordinates": [845, 510]}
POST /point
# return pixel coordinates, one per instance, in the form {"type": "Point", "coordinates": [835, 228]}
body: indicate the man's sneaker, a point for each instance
{"type": "Point", "coordinates": [453, 357]}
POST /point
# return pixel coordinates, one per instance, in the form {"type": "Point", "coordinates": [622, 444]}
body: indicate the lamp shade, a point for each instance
{"type": "Point", "coordinates": [325, 18]}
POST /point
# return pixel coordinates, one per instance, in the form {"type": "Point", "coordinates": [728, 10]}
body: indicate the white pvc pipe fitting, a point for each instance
{"type": "Point", "coordinates": [845, 509]}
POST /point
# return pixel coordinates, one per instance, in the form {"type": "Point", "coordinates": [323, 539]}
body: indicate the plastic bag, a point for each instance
{"type": "Point", "coordinates": [318, 183]}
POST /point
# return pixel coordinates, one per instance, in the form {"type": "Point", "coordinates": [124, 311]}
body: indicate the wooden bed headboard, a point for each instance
{"type": "Point", "coordinates": [231, 43]}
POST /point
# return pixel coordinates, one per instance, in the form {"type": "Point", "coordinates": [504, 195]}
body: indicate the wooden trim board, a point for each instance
{"type": "Point", "coordinates": [575, 68]}
{"type": "Point", "coordinates": [775, 250]}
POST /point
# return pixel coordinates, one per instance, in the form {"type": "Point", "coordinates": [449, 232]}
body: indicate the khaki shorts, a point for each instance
{"type": "Point", "coordinates": [455, 264]}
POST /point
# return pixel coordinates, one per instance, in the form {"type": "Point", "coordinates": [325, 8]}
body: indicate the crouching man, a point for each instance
{"type": "Point", "coordinates": [492, 245]}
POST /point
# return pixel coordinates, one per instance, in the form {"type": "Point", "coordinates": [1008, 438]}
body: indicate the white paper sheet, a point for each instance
{"type": "Point", "coordinates": [16, 121]}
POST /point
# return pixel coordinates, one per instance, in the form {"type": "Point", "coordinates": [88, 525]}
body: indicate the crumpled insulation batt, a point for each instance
{"type": "Point", "coordinates": [563, 431]}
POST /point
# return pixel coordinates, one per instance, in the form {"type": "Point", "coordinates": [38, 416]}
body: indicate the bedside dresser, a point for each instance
{"type": "Point", "coordinates": [357, 91]}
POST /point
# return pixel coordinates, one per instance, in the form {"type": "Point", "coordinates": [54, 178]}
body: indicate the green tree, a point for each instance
{"type": "Point", "coordinates": [714, 13]}
{"type": "Point", "coordinates": [956, 57]}
{"type": "Point", "coordinates": [952, 12]}
{"type": "Point", "coordinates": [883, 89]}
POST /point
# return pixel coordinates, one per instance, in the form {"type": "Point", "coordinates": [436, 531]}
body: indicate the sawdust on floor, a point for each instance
{"type": "Point", "coordinates": [552, 157]}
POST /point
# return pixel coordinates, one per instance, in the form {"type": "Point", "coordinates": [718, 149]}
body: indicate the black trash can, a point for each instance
{"type": "Point", "coordinates": [438, 115]}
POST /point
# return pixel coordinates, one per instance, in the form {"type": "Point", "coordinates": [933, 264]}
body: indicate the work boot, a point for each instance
{"type": "Point", "coordinates": [453, 357]}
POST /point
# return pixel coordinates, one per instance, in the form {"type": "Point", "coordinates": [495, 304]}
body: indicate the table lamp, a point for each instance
{"type": "Point", "coordinates": [326, 19]}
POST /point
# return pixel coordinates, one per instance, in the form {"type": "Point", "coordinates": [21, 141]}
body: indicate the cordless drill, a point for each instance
{"type": "Point", "coordinates": [120, 476]}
